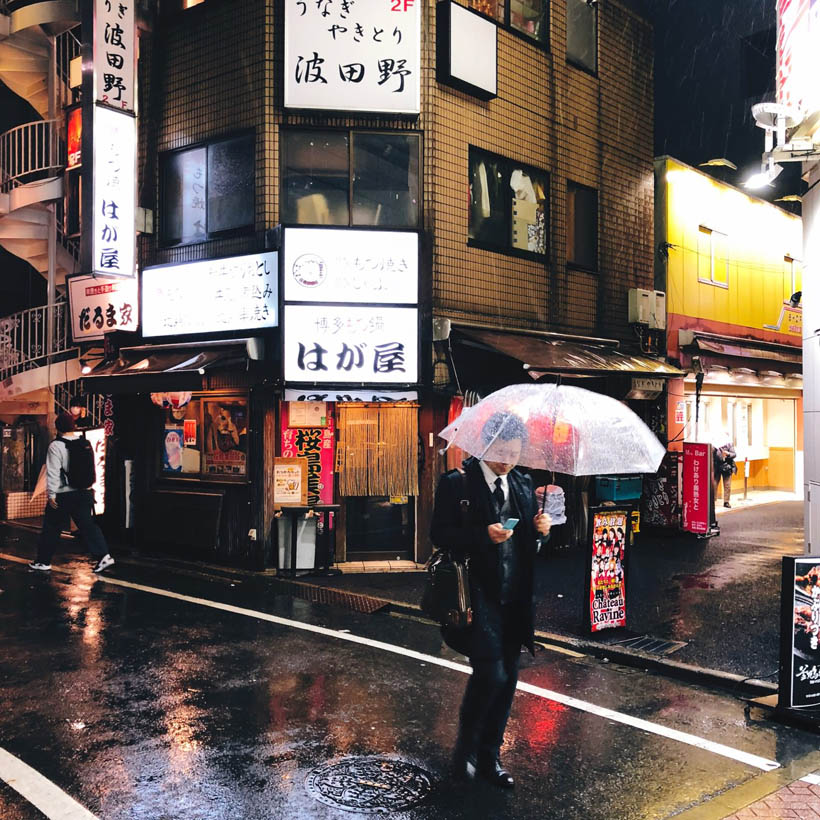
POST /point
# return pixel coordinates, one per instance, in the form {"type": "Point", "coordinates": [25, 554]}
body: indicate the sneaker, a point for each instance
{"type": "Point", "coordinates": [104, 563]}
{"type": "Point", "coordinates": [39, 566]}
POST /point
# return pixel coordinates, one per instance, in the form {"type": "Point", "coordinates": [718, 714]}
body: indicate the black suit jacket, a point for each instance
{"type": "Point", "coordinates": [466, 533]}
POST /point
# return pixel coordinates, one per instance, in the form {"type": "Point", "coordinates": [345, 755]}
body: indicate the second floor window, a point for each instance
{"type": "Point", "coordinates": [713, 257]}
{"type": "Point", "coordinates": [350, 178]}
{"type": "Point", "coordinates": [582, 34]}
{"type": "Point", "coordinates": [508, 205]}
{"type": "Point", "coordinates": [525, 16]}
{"type": "Point", "coordinates": [207, 191]}
{"type": "Point", "coordinates": [582, 227]}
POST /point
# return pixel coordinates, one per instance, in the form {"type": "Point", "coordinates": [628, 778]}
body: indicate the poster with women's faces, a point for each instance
{"type": "Point", "coordinates": [226, 433]}
{"type": "Point", "coordinates": [607, 584]}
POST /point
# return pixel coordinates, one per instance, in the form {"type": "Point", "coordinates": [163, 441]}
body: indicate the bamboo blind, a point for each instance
{"type": "Point", "coordinates": [378, 449]}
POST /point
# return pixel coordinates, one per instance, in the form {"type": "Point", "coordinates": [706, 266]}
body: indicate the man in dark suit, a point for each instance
{"type": "Point", "coordinates": [469, 508]}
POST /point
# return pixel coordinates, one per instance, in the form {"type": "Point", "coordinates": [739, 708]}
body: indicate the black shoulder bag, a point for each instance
{"type": "Point", "coordinates": [446, 596]}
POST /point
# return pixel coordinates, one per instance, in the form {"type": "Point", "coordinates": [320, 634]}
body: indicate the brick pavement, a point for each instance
{"type": "Point", "coordinates": [799, 800]}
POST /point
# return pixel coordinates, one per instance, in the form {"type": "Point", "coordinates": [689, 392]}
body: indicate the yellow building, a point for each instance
{"type": "Point", "coordinates": [729, 264]}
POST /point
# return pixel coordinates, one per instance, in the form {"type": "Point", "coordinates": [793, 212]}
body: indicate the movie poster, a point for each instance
{"type": "Point", "coordinates": [804, 631]}
{"type": "Point", "coordinates": [607, 584]}
{"type": "Point", "coordinates": [226, 435]}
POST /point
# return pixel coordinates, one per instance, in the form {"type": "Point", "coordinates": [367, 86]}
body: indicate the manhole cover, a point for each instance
{"type": "Point", "coordinates": [369, 784]}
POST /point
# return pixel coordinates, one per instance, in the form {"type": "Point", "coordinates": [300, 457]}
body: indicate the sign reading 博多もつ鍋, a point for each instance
{"type": "Point", "coordinates": [353, 55]}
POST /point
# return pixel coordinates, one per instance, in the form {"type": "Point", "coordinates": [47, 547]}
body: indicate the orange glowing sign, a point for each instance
{"type": "Point", "coordinates": [75, 138]}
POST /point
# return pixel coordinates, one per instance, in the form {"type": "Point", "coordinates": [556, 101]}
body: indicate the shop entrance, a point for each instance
{"type": "Point", "coordinates": [380, 528]}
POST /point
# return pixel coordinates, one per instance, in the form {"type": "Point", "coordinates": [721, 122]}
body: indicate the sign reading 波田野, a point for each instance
{"type": "Point", "coordinates": [353, 55]}
{"type": "Point", "coordinates": [607, 583]}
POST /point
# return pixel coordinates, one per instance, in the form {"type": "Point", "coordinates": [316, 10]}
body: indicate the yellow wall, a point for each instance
{"type": "Point", "coordinates": [758, 235]}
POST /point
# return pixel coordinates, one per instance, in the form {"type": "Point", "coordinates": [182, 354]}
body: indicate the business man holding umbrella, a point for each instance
{"type": "Point", "coordinates": [501, 586]}
{"type": "Point", "coordinates": [543, 426]}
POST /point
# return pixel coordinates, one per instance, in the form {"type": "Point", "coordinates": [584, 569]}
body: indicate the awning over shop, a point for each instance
{"type": "Point", "coordinates": [564, 357]}
{"type": "Point", "coordinates": [152, 368]}
{"type": "Point", "coordinates": [741, 348]}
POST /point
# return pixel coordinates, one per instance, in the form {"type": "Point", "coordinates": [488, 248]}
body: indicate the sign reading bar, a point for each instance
{"type": "Point", "coordinates": [325, 265]}
{"type": "Point", "coordinates": [697, 487]}
{"type": "Point", "coordinates": [99, 304]}
{"type": "Point", "coordinates": [611, 531]}
{"type": "Point", "coordinates": [351, 344]}
{"type": "Point", "coordinates": [353, 55]}
{"type": "Point", "coordinates": [800, 633]}
{"type": "Point", "coordinates": [238, 293]}
{"type": "Point", "coordinates": [115, 192]}
{"type": "Point", "coordinates": [114, 53]}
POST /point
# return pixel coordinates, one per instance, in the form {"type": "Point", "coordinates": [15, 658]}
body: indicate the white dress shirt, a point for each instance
{"type": "Point", "coordinates": [490, 477]}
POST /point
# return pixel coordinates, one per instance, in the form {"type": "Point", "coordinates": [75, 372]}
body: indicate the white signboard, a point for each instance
{"type": "Point", "coordinates": [360, 345]}
{"type": "Point", "coordinates": [114, 53]}
{"type": "Point", "coordinates": [347, 394]}
{"type": "Point", "coordinates": [353, 55]}
{"type": "Point", "coordinates": [798, 55]}
{"type": "Point", "coordinates": [99, 304]}
{"type": "Point", "coordinates": [473, 49]}
{"type": "Point", "coordinates": [97, 439]}
{"type": "Point", "coordinates": [238, 293]}
{"type": "Point", "coordinates": [115, 192]}
{"type": "Point", "coordinates": [323, 265]}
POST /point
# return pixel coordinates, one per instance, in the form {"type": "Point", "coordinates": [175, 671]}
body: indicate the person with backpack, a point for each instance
{"type": "Point", "coordinates": [70, 474]}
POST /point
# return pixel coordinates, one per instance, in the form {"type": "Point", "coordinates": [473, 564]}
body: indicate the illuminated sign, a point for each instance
{"type": "Point", "coordinates": [238, 293]}
{"type": "Point", "coordinates": [353, 55]}
{"type": "Point", "coordinates": [697, 488]}
{"type": "Point", "coordinates": [345, 394]}
{"type": "Point", "coordinates": [611, 529]}
{"type": "Point", "coordinates": [74, 138]}
{"type": "Point", "coordinates": [115, 193]}
{"type": "Point", "coordinates": [467, 49]}
{"type": "Point", "coordinates": [115, 53]}
{"type": "Point", "coordinates": [325, 265]}
{"type": "Point", "coordinates": [97, 439]}
{"type": "Point", "coordinates": [800, 633]}
{"type": "Point", "coordinates": [99, 304]}
{"type": "Point", "coordinates": [798, 57]}
{"type": "Point", "coordinates": [351, 344]}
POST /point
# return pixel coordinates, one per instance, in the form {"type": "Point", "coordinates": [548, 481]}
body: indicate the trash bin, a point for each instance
{"type": "Point", "coordinates": [303, 536]}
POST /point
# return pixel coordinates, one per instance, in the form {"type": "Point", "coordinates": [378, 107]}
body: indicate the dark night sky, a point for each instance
{"type": "Point", "coordinates": [713, 60]}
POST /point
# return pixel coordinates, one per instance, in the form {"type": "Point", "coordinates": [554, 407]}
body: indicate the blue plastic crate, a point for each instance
{"type": "Point", "coordinates": [617, 488]}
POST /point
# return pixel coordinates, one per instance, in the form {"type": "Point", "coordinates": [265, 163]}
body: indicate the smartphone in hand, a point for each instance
{"type": "Point", "coordinates": [510, 523]}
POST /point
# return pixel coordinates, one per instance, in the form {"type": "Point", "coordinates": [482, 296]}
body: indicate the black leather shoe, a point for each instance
{"type": "Point", "coordinates": [465, 766]}
{"type": "Point", "coordinates": [496, 774]}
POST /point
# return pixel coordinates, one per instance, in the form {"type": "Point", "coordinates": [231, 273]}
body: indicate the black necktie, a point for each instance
{"type": "Point", "coordinates": [498, 493]}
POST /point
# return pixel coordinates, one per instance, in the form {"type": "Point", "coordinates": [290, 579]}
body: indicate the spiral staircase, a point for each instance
{"type": "Point", "coordinates": [37, 44]}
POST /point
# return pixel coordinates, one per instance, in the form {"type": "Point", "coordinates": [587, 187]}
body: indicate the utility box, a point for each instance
{"type": "Point", "coordinates": [647, 307]}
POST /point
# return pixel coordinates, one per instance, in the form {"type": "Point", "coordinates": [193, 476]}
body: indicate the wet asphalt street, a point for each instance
{"type": "Point", "coordinates": [139, 705]}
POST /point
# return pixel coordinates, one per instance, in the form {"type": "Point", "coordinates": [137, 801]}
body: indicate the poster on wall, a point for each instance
{"type": "Point", "coordinates": [315, 445]}
{"type": "Point", "coordinates": [607, 568]}
{"type": "Point", "coordinates": [800, 633]}
{"type": "Point", "coordinates": [353, 55]}
{"type": "Point", "coordinates": [341, 344]}
{"type": "Point", "coordinates": [697, 487]}
{"type": "Point", "coordinates": [226, 437]}
{"type": "Point", "coordinates": [289, 482]}
{"type": "Point", "coordinates": [172, 444]}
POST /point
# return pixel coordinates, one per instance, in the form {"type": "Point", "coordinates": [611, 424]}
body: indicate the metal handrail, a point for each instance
{"type": "Point", "coordinates": [24, 338]}
{"type": "Point", "coordinates": [69, 393]}
{"type": "Point", "coordinates": [30, 152]}
{"type": "Point", "coordinates": [68, 48]}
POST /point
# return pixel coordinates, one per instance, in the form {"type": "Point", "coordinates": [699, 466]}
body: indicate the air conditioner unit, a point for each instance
{"type": "Point", "coordinates": [647, 307]}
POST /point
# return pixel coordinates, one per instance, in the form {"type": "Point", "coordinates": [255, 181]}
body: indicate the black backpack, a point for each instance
{"type": "Point", "coordinates": [82, 472]}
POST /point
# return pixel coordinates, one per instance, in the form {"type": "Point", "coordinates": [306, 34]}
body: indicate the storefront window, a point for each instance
{"type": "Point", "coordinates": [582, 34]}
{"type": "Point", "coordinates": [508, 204]}
{"type": "Point", "coordinates": [582, 226]}
{"type": "Point", "coordinates": [207, 191]}
{"type": "Point", "coordinates": [350, 178]}
{"type": "Point", "coordinates": [206, 438]}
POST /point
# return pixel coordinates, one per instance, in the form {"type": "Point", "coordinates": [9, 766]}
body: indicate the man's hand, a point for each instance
{"type": "Point", "coordinates": [498, 534]}
{"type": "Point", "coordinates": [542, 523]}
{"type": "Point", "coordinates": [52, 502]}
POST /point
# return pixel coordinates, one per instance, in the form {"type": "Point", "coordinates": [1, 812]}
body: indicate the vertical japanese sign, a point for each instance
{"type": "Point", "coordinates": [696, 487]}
{"type": "Point", "coordinates": [97, 439]}
{"type": "Point", "coordinates": [611, 532]}
{"type": "Point", "coordinates": [74, 138]}
{"type": "Point", "coordinates": [115, 53]}
{"type": "Point", "coordinates": [353, 55]}
{"type": "Point", "coordinates": [115, 192]}
{"type": "Point", "coordinates": [800, 633]}
{"type": "Point", "coordinates": [316, 444]}
{"type": "Point", "coordinates": [798, 57]}
{"type": "Point", "coordinates": [99, 304]}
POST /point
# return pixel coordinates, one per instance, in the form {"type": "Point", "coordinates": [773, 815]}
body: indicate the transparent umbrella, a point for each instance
{"type": "Point", "coordinates": [565, 429]}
